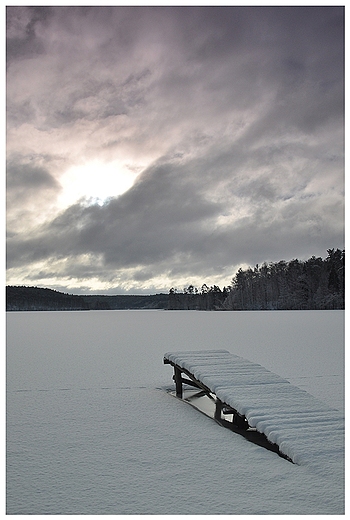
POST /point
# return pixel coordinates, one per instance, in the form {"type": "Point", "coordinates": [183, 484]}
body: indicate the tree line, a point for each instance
{"type": "Point", "coordinates": [22, 298]}
{"type": "Point", "coordinates": [312, 284]}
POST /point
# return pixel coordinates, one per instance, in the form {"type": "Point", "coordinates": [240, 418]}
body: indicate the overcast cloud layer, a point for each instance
{"type": "Point", "coordinates": [155, 147]}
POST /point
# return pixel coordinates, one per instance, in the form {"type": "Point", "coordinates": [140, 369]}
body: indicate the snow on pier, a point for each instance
{"type": "Point", "coordinates": [305, 429]}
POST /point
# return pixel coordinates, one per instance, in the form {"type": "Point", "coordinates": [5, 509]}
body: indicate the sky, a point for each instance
{"type": "Point", "coordinates": [158, 147]}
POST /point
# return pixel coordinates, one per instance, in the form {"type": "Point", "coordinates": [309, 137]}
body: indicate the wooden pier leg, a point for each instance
{"type": "Point", "coordinates": [240, 421]}
{"type": "Point", "coordinates": [178, 382]}
{"type": "Point", "coordinates": [218, 407]}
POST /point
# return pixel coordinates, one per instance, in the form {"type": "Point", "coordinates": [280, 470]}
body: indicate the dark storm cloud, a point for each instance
{"type": "Point", "coordinates": [22, 39]}
{"type": "Point", "coordinates": [151, 222]}
{"type": "Point", "coordinates": [240, 110]}
{"type": "Point", "coordinates": [25, 176]}
{"type": "Point", "coordinates": [29, 188]}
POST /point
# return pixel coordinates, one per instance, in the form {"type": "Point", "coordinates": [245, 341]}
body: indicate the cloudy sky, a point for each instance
{"type": "Point", "coordinates": [154, 147]}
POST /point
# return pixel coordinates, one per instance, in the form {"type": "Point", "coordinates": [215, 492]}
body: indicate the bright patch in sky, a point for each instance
{"type": "Point", "coordinates": [95, 180]}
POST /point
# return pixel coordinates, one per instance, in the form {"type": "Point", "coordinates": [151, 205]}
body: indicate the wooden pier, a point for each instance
{"type": "Point", "coordinates": [255, 403]}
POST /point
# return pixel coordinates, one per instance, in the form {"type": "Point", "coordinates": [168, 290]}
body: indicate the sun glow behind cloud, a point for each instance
{"type": "Point", "coordinates": [96, 181]}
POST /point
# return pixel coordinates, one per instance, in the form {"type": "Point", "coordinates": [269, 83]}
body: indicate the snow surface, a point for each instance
{"type": "Point", "coordinates": [92, 429]}
{"type": "Point", "coordinates": [305, 429]}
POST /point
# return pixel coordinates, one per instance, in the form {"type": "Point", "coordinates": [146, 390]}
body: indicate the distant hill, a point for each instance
{"type": "Point", "coordinates": [22, 298]}
{"type": "Point", "coordinates": [38, 299]}
{"type": "Point", "coordinates": [126, 301]}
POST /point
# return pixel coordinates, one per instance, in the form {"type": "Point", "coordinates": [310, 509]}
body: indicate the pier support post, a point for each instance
{"type": "Point", "coordinates": [218, 408]}
{"type": "Point", "coordinates": [178, 382]}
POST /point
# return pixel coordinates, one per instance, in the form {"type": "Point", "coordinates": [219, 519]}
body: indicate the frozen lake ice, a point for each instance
{"type": "Point", "coordinates": [92, 430]}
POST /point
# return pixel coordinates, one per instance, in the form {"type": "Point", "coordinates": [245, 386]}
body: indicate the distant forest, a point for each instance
{"type": "Point", "coordinates": [21, 298]}
{"type": "Point", "coordinates": [311, 284]}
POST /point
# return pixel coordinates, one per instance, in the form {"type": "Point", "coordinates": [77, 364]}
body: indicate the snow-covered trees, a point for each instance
{"type": "Point", "coordinates": [203, 299]}
{"type": "Point", "coordinates": [311, 284]}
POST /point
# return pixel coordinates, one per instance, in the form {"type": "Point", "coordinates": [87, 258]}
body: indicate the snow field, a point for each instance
{"type": "Point", "coordinates": [93, 430]}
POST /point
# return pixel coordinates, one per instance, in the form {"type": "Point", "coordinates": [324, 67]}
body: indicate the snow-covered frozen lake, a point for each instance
{"type": "Point", "coordinates": [91, 428]}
